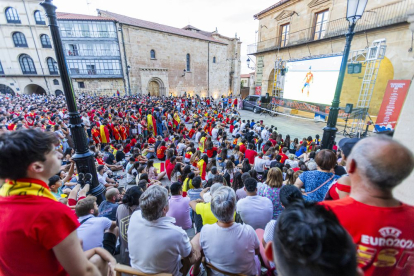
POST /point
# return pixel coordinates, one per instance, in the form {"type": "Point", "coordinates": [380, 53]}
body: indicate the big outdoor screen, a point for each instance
{"type": "Point", "coordinates": [312, 80]}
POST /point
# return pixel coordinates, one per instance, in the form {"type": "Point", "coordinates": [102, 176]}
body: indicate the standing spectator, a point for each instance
{"type": "Point", "coordinates": [317, 183]}
{"type": "Point", "coordinates": [108, 207]}
{"type": "Point", "coordinates": [179, 207]}
{"type": "Point", "coordinates": [242, 244]}
{"type": "Point", "coordinates": [254, 210]}
{"type": "Point", "coordinates": [271, 190]}
{"type": "Point", "coordinates": [95, 231]}
{"type": "Point", "coordinates": [86, 123]}
{"type": "Point", "coordinates": [373, 176]}
{"type": "Point", "coordinates": [37, 232]}
{"type": "Point", "coordinates": [155, 244]}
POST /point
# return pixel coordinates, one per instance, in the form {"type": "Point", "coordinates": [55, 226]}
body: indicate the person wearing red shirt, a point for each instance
{"type": "Point", "coordinates": [96, 136]}
{"type": "Point", "coordinates": [38, 233]}
{"type": "Point", "coordinates": [243, 146]}
{"type": "Point", "coordinates": [250, 154]}
{"type": "Point", "coordinates": [161, 151]}
{"type": "Point", "coordinates": [380, 225]}
{"type": "Point", "coordinates": [170, 167]}
{"type": "Point", "coordinates": [283, 155]}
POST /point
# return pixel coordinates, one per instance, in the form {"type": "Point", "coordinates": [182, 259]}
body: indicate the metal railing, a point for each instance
{"type": "Point", "coordinates": [87, 34]}
{"type": "Point", "coordinates": [92, 72]}
{"type": "Point", "coordinates": [93, 53]}
{"type": "Point", "coordinates": [375, 18]}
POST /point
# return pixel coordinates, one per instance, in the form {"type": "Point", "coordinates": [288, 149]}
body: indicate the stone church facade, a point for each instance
{"type": "Point", "coordinates": [163, 60]}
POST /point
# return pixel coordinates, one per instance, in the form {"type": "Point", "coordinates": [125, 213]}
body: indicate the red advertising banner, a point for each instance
{"type": "Point", "coordinates": [258, 90]}
{"type": "Point", "coordinates": [392, 103]}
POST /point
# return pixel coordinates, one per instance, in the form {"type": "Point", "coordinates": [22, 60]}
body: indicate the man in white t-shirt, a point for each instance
{"type": "Point", "coordinates": [214, 132]}
{"type": "Point", "coordinates": [229, 246]}
{"type": "Point", "coordinates": [254, 210]}
{"type": "Point", "coordinates": [259, 163]}
{"type": "Point", "coordinates": [155, 244]}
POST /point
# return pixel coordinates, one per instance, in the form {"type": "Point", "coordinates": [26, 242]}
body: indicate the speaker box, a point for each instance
{"type": "Point", "coordinates": [348, 108]}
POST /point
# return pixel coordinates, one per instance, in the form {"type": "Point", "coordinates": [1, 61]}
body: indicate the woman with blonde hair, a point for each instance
{"type": "Point", "coordinates": [271, 190]}
{"type": "Point", "coordinates": [195, 158]}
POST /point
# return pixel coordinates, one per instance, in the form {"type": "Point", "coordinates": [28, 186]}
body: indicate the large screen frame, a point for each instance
{"type": "Point", "coordinates": [312, 80]}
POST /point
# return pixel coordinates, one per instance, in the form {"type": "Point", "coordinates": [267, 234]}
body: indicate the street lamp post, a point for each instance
{"type": "Point", "coordinates": [84, 158]}
{"type": "Point", "coordinates": [354, 12]}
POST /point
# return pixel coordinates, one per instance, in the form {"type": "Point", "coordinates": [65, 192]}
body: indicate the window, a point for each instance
{"type": "Point", "coordinates": [73, 50]}
{"type": "Point", "coordinates": [58, 93]}
{"type": "Point", "coordinates": [91, 69]}
{"type": "Point", "coordinates": [1, 69]}
{"type": "Point", "coordinates": [40, 20]}
{"type": "Point", "coordinates": [94, 67]}
{"type": "Point", "coordinates": [27, 65]}
{"type": "Point", "coordinates": [284, 35]}
{"type": "Point", "coordinates": [214, 59]}
{"type": "Point", "coordinates": [152, 54]}
{"type": "Point", "coordinates": [19, 39]}
{"type": "Point", "coordinates": [12, 16]}
{"type": "Point", "coordinates": [321, 22]}
{"type": "Point", "coordinates": [188, 63]}
{"type": "Point", "coordinates": [55, 82]}
{"type": "Point", "coordinates": [81, 84]}
{"type": "Point", "coordinates": [45, 40]}
{"type": "Point", "coordinates": [52, 65]}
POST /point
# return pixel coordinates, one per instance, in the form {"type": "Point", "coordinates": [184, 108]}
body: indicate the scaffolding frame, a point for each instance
{"type": "Point", "coordinates": [277, 89]}
{"type": "Point", "coordinates": [372, 57]}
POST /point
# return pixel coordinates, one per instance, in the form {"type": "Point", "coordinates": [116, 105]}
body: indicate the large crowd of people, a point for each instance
{"type": "Point", "coordinates": [187, 186]}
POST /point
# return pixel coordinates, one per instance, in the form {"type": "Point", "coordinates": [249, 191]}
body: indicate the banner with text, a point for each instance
{"type": "Point", "coordinates": [392, 103]}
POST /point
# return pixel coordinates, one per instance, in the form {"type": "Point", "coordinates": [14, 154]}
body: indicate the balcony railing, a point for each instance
{"type": "Point", "coordinates": [87, 34]}
{"type": "Point", "coordinates": [93, 72]}
{"type": "Point", "coordinates": [379, 17]}
{"type": "Point", "coordinates": [92, 53]}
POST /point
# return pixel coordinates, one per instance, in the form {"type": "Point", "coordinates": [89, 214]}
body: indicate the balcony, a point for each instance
{"type": "Point", "coordinates": [87, 34]}
{"type": "Point", "coordinates": [95, 73]}
{"type": "Point", "coordinates": [93, 53]}
{"type": "Point", "coordinates": [375, 18]}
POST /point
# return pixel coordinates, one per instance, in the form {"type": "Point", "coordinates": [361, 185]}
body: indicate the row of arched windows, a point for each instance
{"type": "Point", "coordinates": [28, 67]}
{"type": "Point", "coordinates": [12, 16]}
{"type": "Point", "coordinates": [20, 40]}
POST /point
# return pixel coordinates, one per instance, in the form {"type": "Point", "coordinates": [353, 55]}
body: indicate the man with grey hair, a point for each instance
{"type": "Point", "coordinates": [237, 256]}
{"type": "Point", "coordinates": [155, 244]}
{"type": "Point", "coordinates": [381, 226]}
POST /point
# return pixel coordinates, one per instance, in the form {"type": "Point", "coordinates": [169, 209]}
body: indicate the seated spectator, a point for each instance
{"type": "Point", "coordinates": [194, 194]}
{"type": "Point", "coordinates": [274, 182]}
{"type": "Point", "coordinates": [241, 192]}
{"type": "Point", "coordinates": [213, 172]}
{"type": "Point", "coordinates": [37, 232]}
{"type": "Point", "coordinates": [131, 169]}
{"type": "Point", "coordinates": [153, 172]}
{"type": "Point", "coordinates": [130, 204]}
{"type": "Point", "coordinates": [241, 242]}
{"type": "Point", "coordinates": [170, 167]}
{"type": "Point", "coordinates": [108, 207]}
{"type": "Point", "coordinates": [310, 241]}
{"type": "Point", "coordinates": [259, 163]}
{"type": "Point", "coordinates": [204, 209]}
{"type": "Point", "coordinates": [95, 231]}
{"type": "Point", "coordinates": [155, 244]}
{"type": "Point", "coordinates": [179, 207]}
{"type": "Point", "coordinates": [104, 179]}
{"type": "Point", "coordinates": [373, 176]}
{"type": "Point", "coordinates": [317, 183]}
{"type": "Point", "coordinates": [254, 210]}
{"type": "Point", "coordinates": [120, 155]}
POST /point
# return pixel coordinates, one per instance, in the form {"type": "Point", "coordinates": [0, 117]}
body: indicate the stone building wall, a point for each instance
{"type": "Point", "coordinates": [170, 61]}
{"type": "Point", "coordinates": [398, 62]}
{"type": "Point", "coordinates": [99, 87]}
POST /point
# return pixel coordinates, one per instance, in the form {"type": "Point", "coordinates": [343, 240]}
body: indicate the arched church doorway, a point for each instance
{"type": "Point", "coordinates": [154, 88]}
{"type": "Point", "coordinates": [4, 89]}
{"type": "Point", "coordinates": [34, 89]}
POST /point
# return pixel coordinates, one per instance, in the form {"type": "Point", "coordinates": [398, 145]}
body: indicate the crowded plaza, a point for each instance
{"type": "Point", "coordinates": [186, 186]}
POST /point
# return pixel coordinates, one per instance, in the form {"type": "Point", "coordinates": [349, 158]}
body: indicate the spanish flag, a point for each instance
{"type": "Point", "coordinates": [176, 120]}
{"type": "Point", "coordinates": [150, 124]}
{"type": "Point", "coordinates": [104, 134]}
{"type": "Point", "coordinates": [201, 165]}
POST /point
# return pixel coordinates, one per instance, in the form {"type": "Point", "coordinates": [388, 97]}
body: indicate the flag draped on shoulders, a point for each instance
{"type": "Point", "coordinates": [104, 134]}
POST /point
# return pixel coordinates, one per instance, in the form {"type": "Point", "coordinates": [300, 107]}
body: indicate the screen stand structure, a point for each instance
{"type": "Point", "coordinates": [373, 57]}
{"type": "Point", "coordinates": [277, 90]}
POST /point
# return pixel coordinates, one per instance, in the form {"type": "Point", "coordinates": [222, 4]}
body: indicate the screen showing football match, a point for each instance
{"type": "Point", "coordinates": [312, 80]}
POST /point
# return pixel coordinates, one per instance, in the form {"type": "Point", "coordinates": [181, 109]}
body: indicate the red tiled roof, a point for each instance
{"type": "Point", "coordinates": [75, 16]}
{"type": "Point", "coordinates": [155, 26]}
{"type": "Point", "coordinates": [281, 2]}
